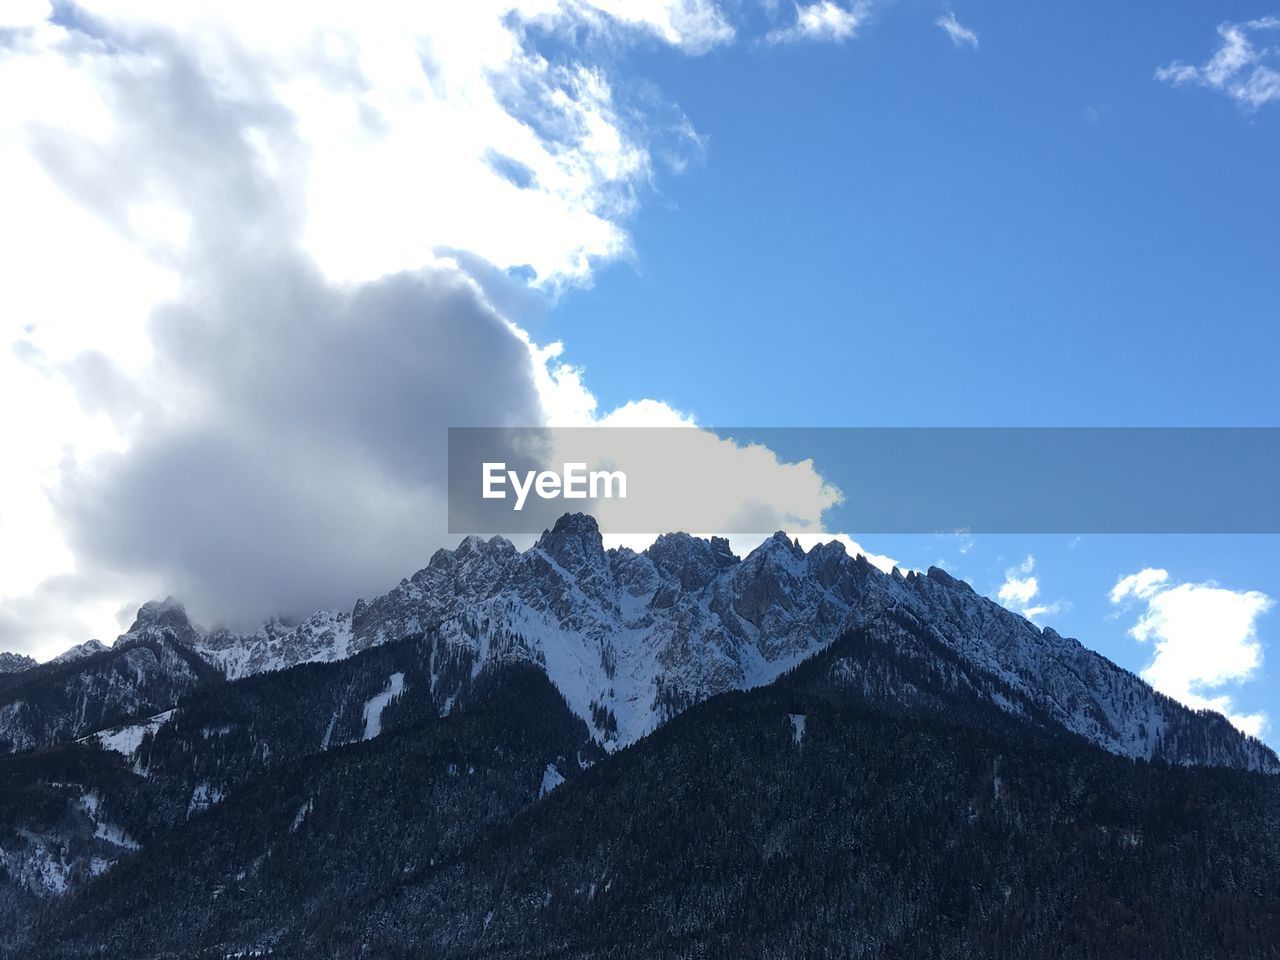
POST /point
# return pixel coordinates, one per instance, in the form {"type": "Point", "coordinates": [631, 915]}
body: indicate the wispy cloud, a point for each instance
{"type": "Point", "coordinates": [1143, 585]}
{"type": "Point", "coordinates": [824, 20]}
{"type": "Point", "coordinates": [1205, 639]}
{"type": "Point", "coordinates": [960, 34]}
{"type": "Point", "coordinates": [1240, 69]}
{"type": "Point", "coordinates": [1020, 590]}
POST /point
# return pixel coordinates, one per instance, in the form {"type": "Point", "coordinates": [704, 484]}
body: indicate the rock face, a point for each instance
{"type": "Point", "coordinates": [93, 686]}
{"type": "Point", "coordinates": [14, 662]}
{"type": "Point", "coordinates": [86, 649]}
{"type": "Point", "coordinates": [631, 639]}
{"type": "Point", "coordinates": [278, 645]}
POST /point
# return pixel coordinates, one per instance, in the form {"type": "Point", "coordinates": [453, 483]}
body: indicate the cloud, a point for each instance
{"type": "Point", "coordinates": [309, 465]}
{"type": "Point", "coordinates": [1244, 72]}
{"type": "Point", "coordinates": [1143, 585]}
{"type": "Point", "coordinates": [692, 25]}
{"type": "Point", "coordinates": [823, 20]}
{"type": "Point", "coordinates": [755, 487]}
{"type": "Point", "coordinates": [960, 35]}
{"type": "Point", "coordinates": [1019, 586]}
{"type": "Point", "coordinates": [255, 415]}
{"type": "Point", "coordinates": [256, 264]}
{"type": "Point", "coordinates": [1205, 639]}
{"type": "Point", "coordinates": [66, 605]}
{"type": "Point", "coordinates": [1019, 590]}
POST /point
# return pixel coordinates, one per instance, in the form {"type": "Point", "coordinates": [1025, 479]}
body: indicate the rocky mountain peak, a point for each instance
{"type": "Point", "coordinates": [13, 662]}
{"type": "Point", "coordinates": [779, 549]}
{"type": "Point", "coordinates": [781, 539]}
{"type": "Point", "coordinates": [471, 552]}
{"type": "Point", "coordinates": [940, 576]}
{"type": "Point", "coordinates": [474, 546]}
{"type": "Point", "coordinates": [828, 563]}
{"type": "Point", "coordinates": [86, 649]}
{"type": "Point", "coordinates": [575, 543]}
{"type": "Point", "coordinates": [160, 617]}
{"type": "Point", "coordinates": [630, 639]}
{"type": "Point", "coordinates": [690, 561]}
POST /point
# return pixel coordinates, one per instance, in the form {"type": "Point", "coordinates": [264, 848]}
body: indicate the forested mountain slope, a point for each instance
{"type": "Point", "coordinates": [804, 818]}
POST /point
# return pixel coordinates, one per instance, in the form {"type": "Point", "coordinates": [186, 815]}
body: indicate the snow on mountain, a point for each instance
{"type": "Point", "coordinates": [278, 645]}
{"type": "Point", "coordinates": [378, 702]}
{"type": "Point", "coordinates": [127, 738]}
{"type": "Point", "coordinates": [15, 662]}
{"type": "Point", "coordinates": [551, 778]}
{"type": "Point", "coordinates": [50, 855]}
{"type": "Point", "coordinates": [631, 639]}
{"type": "Point", "coordinates": [144, 673]}
{"type": "Point", "coordinates": [86, 649]}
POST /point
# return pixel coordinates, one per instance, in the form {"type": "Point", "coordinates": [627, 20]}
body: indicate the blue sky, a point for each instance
{"type": "Point", "coordinates": [1036, 232]}
{"type": "Point", "coordinates": [898, 231]}
{"type": "Point", "coordinates": [260, 258]}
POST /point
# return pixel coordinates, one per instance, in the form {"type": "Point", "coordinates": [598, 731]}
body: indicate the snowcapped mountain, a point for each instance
{"type": "Point", "coordinates": [146, 671]}
{"type": "Point", "coordinates": [632, 639]}
{"type": "Point", "coordinates": [13, 662]}
{"type": "Point", "coordinates": [86, 649]}
{"type": "Point", "coordinates": [496, 679]}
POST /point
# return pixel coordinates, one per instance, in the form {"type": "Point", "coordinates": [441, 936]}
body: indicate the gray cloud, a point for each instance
{"type": "Point", "coordinates": [286, 443]}
{"type": "Point", "coordinates": [310, 465]}
{"type": "Point", "coordinates": [51, 608]}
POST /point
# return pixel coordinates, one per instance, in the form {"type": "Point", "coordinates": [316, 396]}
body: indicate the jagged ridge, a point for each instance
{"type": "Point", "coordinates": [631, 639]}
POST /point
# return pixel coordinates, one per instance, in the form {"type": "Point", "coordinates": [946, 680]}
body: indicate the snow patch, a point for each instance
{"type": "Point", "coordinates": [126, 739]}
{"type": "Point", "coordinates": [300, 816]}
{"type": "Point", "coordinates": [328, 734]}
{"type": "Point", "coordinates": [797, 727]}
{"type": "Point", "coordinates": [51, 871]}
{"type": "Point", "coordinates": [38, 864]}
{"type": "Point", "coordinates": [377, 703]}
{"type": "Point", "coordinates": [551, 778]}
{"type": "Point", "coordinates": [205, 795]}
{"type": "Point", "coordinates": [115, 836]}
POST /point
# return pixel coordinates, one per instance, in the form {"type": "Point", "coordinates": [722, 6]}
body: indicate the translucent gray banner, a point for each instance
{"type": "Point", "coordinates": [890, 480]}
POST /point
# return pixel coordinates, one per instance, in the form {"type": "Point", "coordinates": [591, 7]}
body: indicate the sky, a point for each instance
{"type": "Point", "coordinates": [254, 261]}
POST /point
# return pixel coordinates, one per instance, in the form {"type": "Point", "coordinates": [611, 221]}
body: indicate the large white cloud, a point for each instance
{"type": "Point", "coordinates": [1205, 639]}
{"type": "Point", "coordinates": [252, 259]}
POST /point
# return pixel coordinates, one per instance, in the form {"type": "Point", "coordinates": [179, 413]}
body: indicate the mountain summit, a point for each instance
{"type": "Point", "coordinates": [632, 639]}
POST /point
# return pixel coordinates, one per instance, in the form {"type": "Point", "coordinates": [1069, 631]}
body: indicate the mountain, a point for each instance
{"type": "Point", "coordinates": [144, 672]}
{"type": "Point", "coordinates": [13, 662]}
{"type": "Point", "coordinates": [86, 649]}
{"type": "Point", "coordinates": [632, 639]}
{"type": "Point", "coordinates": [797, 819]}
{"type": "Point", "coordinates": [385, 757]}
